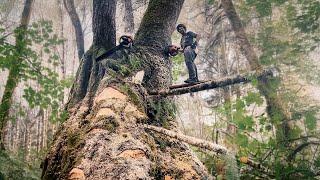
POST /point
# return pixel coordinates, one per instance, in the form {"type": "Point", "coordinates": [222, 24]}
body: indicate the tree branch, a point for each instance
{"type": "Point", "coordinates": [212, 84]}
{"type": "Point", "coordinates": [208, 146]}
{"type": "Point", "coordinates": [301, 147]}
{"type": "Point", "coordinates": [190, 140]}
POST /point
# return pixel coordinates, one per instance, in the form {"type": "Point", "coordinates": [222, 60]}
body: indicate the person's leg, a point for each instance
{"type": "Point", "coordinates": [196, 71]}
{"type": "Point", "coordinates": [189, 60]}
{"type": "Point", "coordinates": [194, 65]}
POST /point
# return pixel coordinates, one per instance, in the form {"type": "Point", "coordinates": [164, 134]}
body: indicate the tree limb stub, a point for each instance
{"type": "Point", "coordinates": [208, 146]}
{"type": "Point", "coordinates": [212, 84]}
{"type": "Point", "coordinates": [190, 140]}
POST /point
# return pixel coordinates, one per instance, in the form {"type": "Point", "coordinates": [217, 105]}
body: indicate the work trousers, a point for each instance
{"type": "Point", "coordinates": [189, 57]}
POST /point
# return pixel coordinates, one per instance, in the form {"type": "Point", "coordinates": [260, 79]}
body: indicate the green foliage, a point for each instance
{"type": "Point", "coordinates": [210, 2]}
{"type": "Point", "coordinates": [285, 35]}
{"type": "Point", "coordinates": [231, 167]}
{"type": "Point", "coordinates": [263, 7]}
{"type": "Point", "coordinates": [305, 16]}
{"type": "Point", "coordinates": [46, 89]}
{"type": "Point", "coordinates": [253, 97]}
{"type": "Point", "coordinates": [254, 137]}
{"type": "Point", "coordinates": [177, 69]}
{"type": "Point", "coordinates": [12, 168]}
{"type": "Point", "coordinates": [310, 120]}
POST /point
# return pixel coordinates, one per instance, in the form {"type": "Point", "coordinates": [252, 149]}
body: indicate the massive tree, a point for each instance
{"type": "Point", "coordinates": [105, 136]}
{"type": "Point", "coordinates": [15, 69]}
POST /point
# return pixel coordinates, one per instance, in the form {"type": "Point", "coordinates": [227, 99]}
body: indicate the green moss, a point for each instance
{"type": "Point", "coordinates": [108, 123]}
{"type": "Point", "coordinates": [111, 124]}
{"type": "Point", "coordinates": [133, 96]}
{"type": "Point", "coordinates": [150, 141]}
{"type": "Point", "coordinates": [159, 172]}
{"type": "Point", "coordinates": [15, 167]}
{"type": "Point", "coordinates": [124, 70]}
{"type": "Point", "coordinates": [162, 144]}
{"type": "Point", "coordinates": [134, 63]}
{"type": "Point", "coordinates": [73, 139]}
{"type": "Point", "coordinates": [70, 156]}
{"type": "Point", "coordinates": [162, 111]}
{"type": "Point", "coordinates": [156, 172]}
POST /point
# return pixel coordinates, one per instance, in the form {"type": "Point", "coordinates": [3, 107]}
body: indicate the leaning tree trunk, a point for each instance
{"type": "Point", "coordinates": [105, 136]}
{"type": "Point", "coordinates": [69, 5]}
{"type": "Point", "coordinates": [276, 107]}
{"type": "Point", "coordinates": [14, 70]}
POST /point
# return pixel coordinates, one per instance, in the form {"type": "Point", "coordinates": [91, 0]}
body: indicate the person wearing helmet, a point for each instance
{"type": "Point", "coordinates": [188, 43]}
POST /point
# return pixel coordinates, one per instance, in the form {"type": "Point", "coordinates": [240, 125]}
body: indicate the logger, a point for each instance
{"type": "Point", "coordinates": [125, 42]}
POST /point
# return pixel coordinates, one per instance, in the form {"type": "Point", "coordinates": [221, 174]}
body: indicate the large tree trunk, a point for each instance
{"type": "Point", "coordinates": [105, 137]}
{"type": "Point", "coordinates": [14, 71]}
{"type": "Point", "coordinates": [69, 5]}
{"type": "Point", "coordinates": [276, 107]}
{"type": "Point", "coordinates": [128, 17]}
{"type": "Point", "coordinates": [104, 38]}
{"type": "Point", "coordinates": [104, 24]}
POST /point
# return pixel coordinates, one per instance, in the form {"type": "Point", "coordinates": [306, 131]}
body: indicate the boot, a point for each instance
{"type": "Point", "coordinates": [191, 81]}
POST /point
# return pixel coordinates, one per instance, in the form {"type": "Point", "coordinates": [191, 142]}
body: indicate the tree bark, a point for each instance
{"type": "Point", "coordinates": [128, 17]}
{"type": "Point", "coordinates": [103, 23]}
{"type": "Point", "coordinates": [69, 5]}
{"type": "Point", "coordinates": [62, 59]}
{"type": "Point", "coordinates": [276, 107]}
{"type": "Point", "coordinates": [104, 38]}
{"type": "Point", "coordinates": [103, 137]}
{"type": "Point", "coordinates": [150, 32]}
{"type": "Point", "coordinates": [14, 70]}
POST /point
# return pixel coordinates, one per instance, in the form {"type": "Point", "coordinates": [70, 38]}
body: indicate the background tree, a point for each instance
{"type": "Point", "coordinates": [15, 69]}
{"type": "Point", "coordinates": [71, 9]}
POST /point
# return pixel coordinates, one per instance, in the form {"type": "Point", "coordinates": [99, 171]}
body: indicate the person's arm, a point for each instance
{"type": "Point", "coordinates": [197, 37]}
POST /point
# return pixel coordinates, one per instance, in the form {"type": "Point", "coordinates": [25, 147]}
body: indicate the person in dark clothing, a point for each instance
{"type": "Point", "coordinates": [188, 43]}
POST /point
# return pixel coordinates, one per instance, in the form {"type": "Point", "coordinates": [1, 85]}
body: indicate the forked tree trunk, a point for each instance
{"type": "Point", "coordinates": [14, 70]}
{"type": "Point", "coordinates": [104, 136]}
{"type": "Point", "coordinates": [104, 38]}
